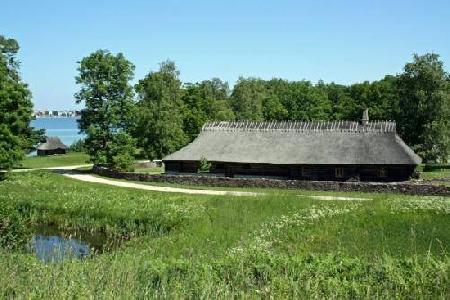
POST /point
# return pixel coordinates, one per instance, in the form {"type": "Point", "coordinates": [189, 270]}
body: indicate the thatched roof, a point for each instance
{"type": "Point", "coordinates": [340, 142]}
{"type": "Point", "coordinates": [51, 143]}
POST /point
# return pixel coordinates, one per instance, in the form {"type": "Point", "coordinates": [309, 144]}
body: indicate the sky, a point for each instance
{"type": "Point", "coordinates": [335, 41]}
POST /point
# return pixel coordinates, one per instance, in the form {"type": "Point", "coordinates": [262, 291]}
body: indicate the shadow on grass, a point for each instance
{"type": "Point", "coordinates": [71, 171]}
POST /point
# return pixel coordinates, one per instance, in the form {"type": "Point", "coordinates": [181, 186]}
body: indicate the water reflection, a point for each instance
{"type": "Point", "coordinates": [57, 248]}
{"type": "Point", "coordinates": [50, 244]}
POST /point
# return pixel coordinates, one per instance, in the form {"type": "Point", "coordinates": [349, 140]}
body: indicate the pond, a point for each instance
{"type": "Point", "coordinates": [51, 244]}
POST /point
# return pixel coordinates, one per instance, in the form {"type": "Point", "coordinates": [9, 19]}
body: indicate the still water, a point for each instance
{"type": "Point", "coordinates": [50, 244]}
{"type": "Point", "coordinates": [64, 128]}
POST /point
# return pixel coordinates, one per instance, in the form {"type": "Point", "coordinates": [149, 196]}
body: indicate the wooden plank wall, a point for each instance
{"type": "Point", "coordinates": [301, 172]}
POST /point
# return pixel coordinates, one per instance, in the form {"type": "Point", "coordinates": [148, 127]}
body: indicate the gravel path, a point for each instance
{"type": "Point", "coordinates": [63, 168]}
{"type": "Point", "coordinates": [94, 179]}
{"type": "Point", "coordinates": [90, 178]}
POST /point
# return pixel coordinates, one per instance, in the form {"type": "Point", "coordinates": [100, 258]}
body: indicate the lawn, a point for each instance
{"type": "Point", "coordinates": [151, 170]}
{"type": "Point", "coordinates": [437, 174]}
{"type": "Point", "coordinates": [71, 158]}
{"type": "Point", "coordinates": [280, 244]}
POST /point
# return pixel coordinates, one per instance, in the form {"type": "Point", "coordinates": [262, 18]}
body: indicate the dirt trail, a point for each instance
{"type": "Point", "coordinates": [62, 168]}
{"type": "Point", "coordinates": [69, 171]}
{"type": "Point", "coordinates": [90, 178]}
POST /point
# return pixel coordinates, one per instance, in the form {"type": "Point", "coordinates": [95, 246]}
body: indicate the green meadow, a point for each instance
{"type": "Point", "coordinates": [69, 159]}
{"type": "Point", "coordinates": [278, 244]}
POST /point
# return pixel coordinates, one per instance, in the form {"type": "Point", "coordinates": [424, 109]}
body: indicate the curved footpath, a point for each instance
{"type": "Point", "coordinates": [94, 179]}
{"type": "Point", "coordinates": [63, 168]}
{"type": "Point", "coordinates": [90, 178]}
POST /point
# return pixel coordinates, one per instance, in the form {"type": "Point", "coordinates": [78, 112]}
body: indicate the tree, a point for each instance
{"type": "Point", "coordinates": [247, 99]}
{"type": "Point", "coordinates": [160, 106]}
{"type": "Point", "coordinates": [344, 106]}
{"type": "Point", "coordinates": [306, 102]}
{"type": "Point", "coordinates": [205, 101]}
{"type": "Point", "coordinates": [273, 108]}
{"type": "Point", "coordinates": [109, 108]}
{"type": "Point", "coordinates": [16, 135]}
{"type": "Point", "coordinates": [424, 107]}
{"type": "Point", "coordinates": [380, 97]}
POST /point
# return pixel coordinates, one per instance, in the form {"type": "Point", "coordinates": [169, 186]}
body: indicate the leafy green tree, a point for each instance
{"type": "Point", "coordinates": [306, 102]}
{"type": "Point", "coordinates": [273, 108]}
{"type": "Point", "coordinates": [247, 99]}
{"type": "Point", "coordinates": [205, 101]}
{"type": "Point", "coordinates": [380, 97]}
{"type": "Point", "coordinates": [424, 107]}
{"type": "Point", "coordinates": [121, 150]}
{"type": "Point", "coordinates": [160, 106]}
{"type": "Point", "coordinates": [387, 100]}
{"type": "Point", "coordinates": [344, 107]}
{"type": "Point", "coordinates": [77, 146]}
{"type": "Point", "coordinates": [107, 118]}
{"type": "Point", "coordinates": [16, 135]}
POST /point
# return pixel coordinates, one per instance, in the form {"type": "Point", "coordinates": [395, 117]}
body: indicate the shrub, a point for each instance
{"type": "Point", "coordinates": [14, 231]}
{"type": "Point", "coordinates": [120, 152]}
{"type": "Point", "coordinates": [435, 167]}
{"type": "Point", "coordinates": [204, 166]}
{"type": "Point", "coordinates": [77, 146]}
{"type": "Point", "coordinates": [416, 174]}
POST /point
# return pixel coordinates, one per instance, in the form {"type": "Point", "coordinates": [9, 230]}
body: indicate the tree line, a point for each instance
{"type": "Point", "coordinates": [165, 114]}
{"type": "Point", "coordinates": [17, 137]}
{"type": "Point", "coordinates": [160, 114]}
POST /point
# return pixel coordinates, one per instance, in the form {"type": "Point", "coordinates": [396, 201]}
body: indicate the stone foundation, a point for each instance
{"type": "Point", "coordinates": [410, 188]}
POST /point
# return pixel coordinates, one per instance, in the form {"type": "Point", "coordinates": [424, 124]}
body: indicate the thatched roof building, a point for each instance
{"type": "Point", "coordinates": [339, 150]}
{"type": "Point", "coordinates": [51, 146]}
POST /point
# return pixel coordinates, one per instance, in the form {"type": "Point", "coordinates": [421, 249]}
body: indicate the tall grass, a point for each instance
{"type": "Point", "coordinates": [275, 245]}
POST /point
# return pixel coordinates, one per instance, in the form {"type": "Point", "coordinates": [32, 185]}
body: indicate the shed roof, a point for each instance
{"type": "Point", "coordinates": [319, 143]}
{"type": "Point", "coordinates": [51, 143]}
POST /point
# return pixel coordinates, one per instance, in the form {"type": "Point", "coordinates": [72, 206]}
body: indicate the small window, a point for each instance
{"type": "Point", "coordinates": [382, 172]}
{"type": "Point", "coordinates": [339, 172]}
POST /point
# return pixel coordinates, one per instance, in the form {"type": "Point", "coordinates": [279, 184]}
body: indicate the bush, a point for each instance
{"type": "Point", "coordinates": [14, 231]}
{"type": "Point", "coordinates": [77, 146]}
{"type": "Point", "coordinates": [416, 174]}
{"type": "Point", "coordinates": [205, 166]}
{"type": "Point", "coordinates": [120, 152]}
{"type": "Point", "coordinates": [435, 167]}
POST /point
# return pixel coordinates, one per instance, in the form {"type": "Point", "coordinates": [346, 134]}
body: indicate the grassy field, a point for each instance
{"type": "Point", "coordinates": [73, 158]}
{"type": "Point", "coordinates": [153, 170]}
{"type": "Point", "coordinates": [281, 244]}
{"type": "Point", "coordinates": [438, 174]}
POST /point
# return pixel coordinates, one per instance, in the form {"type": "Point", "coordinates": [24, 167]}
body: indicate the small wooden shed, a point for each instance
{"type": "Point", "coordinates": [51, 146]}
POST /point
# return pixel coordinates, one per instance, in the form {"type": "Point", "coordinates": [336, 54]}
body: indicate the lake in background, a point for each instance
{"type": "Point", "coordinates": [64, 128]}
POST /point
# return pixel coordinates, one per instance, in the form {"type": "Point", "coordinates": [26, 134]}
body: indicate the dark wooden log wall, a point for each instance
{"type": "Point", "coordinates": [51, 152]}
{"type": "Point", "coordinates": [301, 172]}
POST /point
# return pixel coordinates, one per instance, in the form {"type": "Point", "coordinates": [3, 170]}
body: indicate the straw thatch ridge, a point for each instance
{"type": "Point", "coordinates": [299, 126]}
